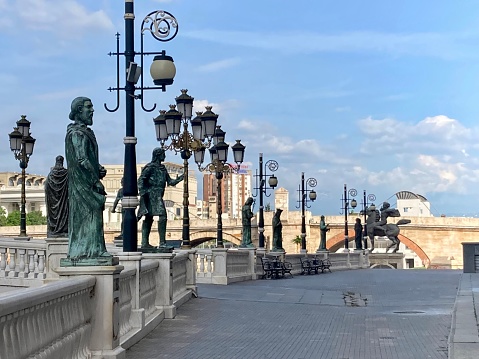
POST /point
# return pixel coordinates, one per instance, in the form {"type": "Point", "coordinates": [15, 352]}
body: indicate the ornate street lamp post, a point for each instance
{"type": "Point", "coordinates": [168, 126]}
{"type": "Point", "coordinates": [367, 200]}
{"type": "Point", "coordinates": [21, 144]}
{"type": "Point", "coordinates": [219, 166]}
{"type": "Point", "coordinates": [273, 166]}
{"type": "Point", "coordinates": [163, 27]}
{"type": "Point", "coordinates": [345, 200]}
{"type": "Point", "coordinates": [303, 201]}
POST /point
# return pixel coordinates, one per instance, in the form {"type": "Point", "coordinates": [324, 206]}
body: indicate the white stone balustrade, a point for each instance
{"type": "Point", "coordinates": [49, 321]}
{"type": "Point", "coordinates": [22, 262]}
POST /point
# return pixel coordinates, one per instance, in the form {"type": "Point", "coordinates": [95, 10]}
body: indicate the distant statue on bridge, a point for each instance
{"type": "Point", "coordinates": [56, 198]}
{"type": "Point", "coordinates": [382, 228]}
{"type": "Point", "coordinates": [151, 185]}
{"type": "Point", "coordinates": [358, 233]}
{"type": "Point", "coordinates": [277, 232]}
{"type": "Point", "coordinates": [324, 228]}
{"type": "Point", "coordinates": [247, 215]}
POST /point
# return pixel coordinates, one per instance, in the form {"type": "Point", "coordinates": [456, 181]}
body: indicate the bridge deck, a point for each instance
{"type": "Point", "coordinates": [361, 314]}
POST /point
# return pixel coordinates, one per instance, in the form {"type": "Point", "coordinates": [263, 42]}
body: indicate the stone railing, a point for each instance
{"type": "Point", "coordinates": [22, 263]}
{"type": "Point", "coordinates": [49, 321]}
{"type": "Point", "coordinates": [123, 302]}
{"type": "Point", "coordinates": [224, 266]}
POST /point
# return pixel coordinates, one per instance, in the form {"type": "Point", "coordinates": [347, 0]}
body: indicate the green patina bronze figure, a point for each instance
{"type": "Point", "coordinates": [119, 197]}
{"type": "Point", "coordinates": [151, 185]}
{"type": "Point", "coordinates": [86, 194]}
{"type": "Point", "coordinates": [56, 198]}
{"type": "Point", "coordinates": [277, 232]}
{"type": "Point", "coordinates": [247, 215]}
{"type": "Point", "coordinates": [324, 228]}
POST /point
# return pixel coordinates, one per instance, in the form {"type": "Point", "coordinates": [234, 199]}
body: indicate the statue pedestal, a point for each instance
{"type": "Point", "coordinates": [343, 250]}
{"type": "Point", "coordinates": [118, 241]}
{"type": "Point", "coordinates": [105, 324]}
{"type": "Point", "coordinates": [87, 262]}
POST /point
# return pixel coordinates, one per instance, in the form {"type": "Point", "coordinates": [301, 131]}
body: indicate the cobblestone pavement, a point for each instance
{"type": "Point", "coordinates": [359, 314]}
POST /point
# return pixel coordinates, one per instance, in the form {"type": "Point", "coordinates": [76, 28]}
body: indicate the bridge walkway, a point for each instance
{"type": "Point", "coordinates": [361, 314]}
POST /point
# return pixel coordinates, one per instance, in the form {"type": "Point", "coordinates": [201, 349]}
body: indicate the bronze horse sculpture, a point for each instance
{"type": "Point", "coordinates": [377, 225]}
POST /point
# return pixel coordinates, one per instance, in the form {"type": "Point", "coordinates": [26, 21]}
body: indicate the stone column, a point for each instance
{"type": "Point", "coordinates": [132, 260]}
{"type": "Point", "coordinates": [104, 341]}
{"type": "Point", "coordinates": [251, 262]}
{"type": "Point", "coordinates": [220, 275]}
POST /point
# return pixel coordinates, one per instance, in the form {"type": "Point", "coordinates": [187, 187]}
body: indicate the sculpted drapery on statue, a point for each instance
{"type": "Point", "coordinates": [277, 232]}
{"type": "Point", "coordinates": [151, 185]}
{"type": "Point", "coordinates": [247, 215]}
{"type": "Point", "coordinates": [86, 193]}
{"type": "Point", "coordinates": [56, 198]}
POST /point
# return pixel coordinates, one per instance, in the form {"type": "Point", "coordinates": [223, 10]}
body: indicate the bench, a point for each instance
{"type": "Point", "coordinates": [326, 264]}
{"type": "Point", "coordinates": [275, 269]}
{"type": "Point", "coordinates": [307, 266]}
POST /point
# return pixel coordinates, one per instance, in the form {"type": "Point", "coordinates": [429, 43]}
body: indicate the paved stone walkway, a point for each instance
{"type": "Point", "coordinates": [360, 314]}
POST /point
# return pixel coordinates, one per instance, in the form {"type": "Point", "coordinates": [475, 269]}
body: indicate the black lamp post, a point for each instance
{"type": "Point", "coordinates": [163, 27]}
{"type": "Point", "coordinates": [367, 200]}
{"type": "Point", "coordinates": [219, 166]}
{"type": "Point", "coordinates": [303, 201]}
{"type": "Point", "coordinates": [345, 200]}
{"type": "Point", "coordinates": [168, 126]}
{"type": "Point", "coordinates": [273, 166]}
{"type": "Point", "coordinates": [21, 144]}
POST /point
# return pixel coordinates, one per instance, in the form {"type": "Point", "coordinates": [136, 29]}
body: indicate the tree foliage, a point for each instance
{"type": "Point", "coordinates": [13, 219]}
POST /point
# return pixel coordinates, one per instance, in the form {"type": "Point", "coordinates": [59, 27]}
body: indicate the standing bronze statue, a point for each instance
{"type": "Point", "coordinates": [358, 233]}
{"type": "Point", "coordinates": [151, 185]}
{"type": "Point", "coordinates": [119, 197]}
{"type": "Point", "coordinates": [247, 215]}
{"type": "Point", "coordinates": [86, 193]}
{"type": "Point", "coordinates": [323, 228]}
{"type": "Point", "coordinates": [56, 198]}
{"type": "Point", "coordinates": [277, 232]}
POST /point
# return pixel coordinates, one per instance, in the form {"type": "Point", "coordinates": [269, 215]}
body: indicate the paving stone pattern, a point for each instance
{"type": "Point", "coordinates": [360, 314]}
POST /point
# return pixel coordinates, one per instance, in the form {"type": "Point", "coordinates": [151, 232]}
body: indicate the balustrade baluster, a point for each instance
{"type": "Point", "coordinates": [41, 265]}
{"type": "Point", "coordinates": [3, 262]}
{"type": "Point", "coordinates": [31, 263]}
{"type": "Point", "coordinates": [209, 260]}
{"type": "Point", "coordinates": [202, 263]}
{"type": "Point", "coordinates": [21, 263]}
{"type": "Point", "coordinates": [12, 271]}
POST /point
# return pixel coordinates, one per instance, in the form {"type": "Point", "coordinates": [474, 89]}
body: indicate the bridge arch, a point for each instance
{"type": "Point", "coordinates": [198, 237]}
{"type": "Point", "coordinates": [337, 242]}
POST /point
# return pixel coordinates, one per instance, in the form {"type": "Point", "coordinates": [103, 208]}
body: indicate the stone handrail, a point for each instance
{"type": "Point", "coordinates": [48, 321]}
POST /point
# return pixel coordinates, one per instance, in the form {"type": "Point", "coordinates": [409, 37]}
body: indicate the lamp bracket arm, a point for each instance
{"type": "Point", "coordinates": [117, 54]}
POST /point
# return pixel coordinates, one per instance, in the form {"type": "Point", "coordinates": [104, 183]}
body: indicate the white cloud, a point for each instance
{"type": "Point", "coordinates": [65, 18]}
{"type": "Point", "coordinates": [219, 65]}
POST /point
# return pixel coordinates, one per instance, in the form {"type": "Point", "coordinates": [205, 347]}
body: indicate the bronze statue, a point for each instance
{"type": "Point", "coordinates": [390, 230]}
{"type": "Point", "coordinates": [151, 185]}
{"type": "Point", "coordinates": [247, 215]}
{"type": "Point", "coordinates": [277, 232]}
{"type": "Point", "coordinates": [373, 216]}
{"type": "Point", "coordinates": [324, 228]}
{"type": "Point", "coordinates": [358, 233]}
{"type": "Point", "coordinates": [119, 197]}
{"type": "Point", "coordinates": [86, 194]}
{"type": "Point", "coordinates": [56, 198]}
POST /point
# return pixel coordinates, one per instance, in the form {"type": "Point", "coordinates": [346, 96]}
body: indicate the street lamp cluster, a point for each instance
{"type": "Point", "coordinates": [163, 27]}
{"type": "Point", "coordinates": [219, 166]}
{"type": "Point", "coordinates": [303, 201]}
{"type": "Point", "coordinates": [262, 189]}
{"type": "Point", "coordinates": [21, 144]}
{"type": "Point", "coordinates": [173, 125]}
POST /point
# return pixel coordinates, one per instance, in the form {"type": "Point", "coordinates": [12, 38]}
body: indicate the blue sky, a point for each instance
{"type": "Point", "coordinates": [380, 95]}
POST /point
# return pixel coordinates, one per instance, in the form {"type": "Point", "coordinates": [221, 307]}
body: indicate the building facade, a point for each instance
{"type": "Point", "coordinates": [235, 189]}
{"type": "Point", "coordinates": [413, 205]}
{"type": "Point", "coordinates": [11, 192]}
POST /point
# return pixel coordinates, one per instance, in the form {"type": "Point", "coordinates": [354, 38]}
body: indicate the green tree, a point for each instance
{"type": "Point", "coordinates": [13, 218]}
{"type": "Point", "coordinates": [3, 217]}
{"type": "Point", "coordinates": [297, 241]}
{"type": "Point", "coordinates": [267, 208]}
{"type": "Point", "coordinates": [36, 218]}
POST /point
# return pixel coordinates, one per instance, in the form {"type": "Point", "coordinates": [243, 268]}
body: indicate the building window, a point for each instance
{"type": "Point", "coordinates": [32, 207]}
{"type": "Point", "coordinates": [406, 209]}
{"type": "Point", "coordinates": [410, 263]}
{"type": "Point", "coordinates": [15, 207]}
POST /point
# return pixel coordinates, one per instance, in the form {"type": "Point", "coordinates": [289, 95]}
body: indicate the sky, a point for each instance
{"type": "Point", "coordinates": [379, 95]}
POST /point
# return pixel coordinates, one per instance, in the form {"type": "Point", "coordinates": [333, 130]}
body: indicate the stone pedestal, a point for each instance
{"type": "Point", "coordinates": [57, 248]}
{"type": "Point", "coordinates": [104, 341]}
{"type": "Point", "coordinates": [219, 262]}
{"type": "Point", "coordinates": [251, 261]}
